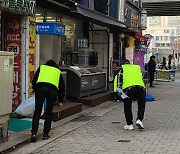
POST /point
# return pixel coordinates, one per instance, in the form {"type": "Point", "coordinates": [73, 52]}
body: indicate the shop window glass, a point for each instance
{"type": "Point", "coordinates": [68, 41]}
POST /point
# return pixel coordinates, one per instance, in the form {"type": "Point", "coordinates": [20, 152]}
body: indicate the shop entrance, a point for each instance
{"type": "Point", "coordinates": [49, 41]}
{"type": "Point", "coordinates": [50, 47]}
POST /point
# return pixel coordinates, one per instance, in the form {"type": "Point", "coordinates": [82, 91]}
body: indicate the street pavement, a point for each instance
{"type": "Point", "coordinates": [99, 130]}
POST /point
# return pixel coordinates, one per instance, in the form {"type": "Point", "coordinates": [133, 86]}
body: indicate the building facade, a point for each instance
{"type": "Point", "coordinates": [102, 31]}
{"type": "Point", "coordinates": [165, 32]}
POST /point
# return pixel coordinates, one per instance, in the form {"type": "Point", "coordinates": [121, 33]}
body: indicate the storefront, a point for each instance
{"type": "Point", "coordinates": [16, 25]}
{"type": "Point", "coordinates": [93, 40]}
{"type": "Point", "coordinates": [55, 44]}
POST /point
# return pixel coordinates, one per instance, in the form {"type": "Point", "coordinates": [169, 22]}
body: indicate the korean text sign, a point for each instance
{"type": "Point", "coordinates": [13, 44]}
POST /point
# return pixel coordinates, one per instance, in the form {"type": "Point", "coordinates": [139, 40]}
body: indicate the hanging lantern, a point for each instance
{"type": "Point", "coordinates": [143, 19]}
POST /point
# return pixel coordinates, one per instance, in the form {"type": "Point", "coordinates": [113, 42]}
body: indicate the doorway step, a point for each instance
{"type": "Point", "coordinates": [95, 99]}
{"type": "Point", "coordinates": [69, 108]}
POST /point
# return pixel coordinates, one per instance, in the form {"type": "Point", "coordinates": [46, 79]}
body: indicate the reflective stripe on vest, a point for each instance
{"type": "Point", "coordinates": [49, 74]}
{"type": "Point", "coordinates": [132, 76]}
{"type": "Point", "coordinates": [115, 83]}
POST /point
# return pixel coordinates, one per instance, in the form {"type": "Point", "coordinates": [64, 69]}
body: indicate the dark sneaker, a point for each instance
{"type": "Point", "coordinates": [33, 138]}
{"type": "Point", "coordinates": [46, 137]}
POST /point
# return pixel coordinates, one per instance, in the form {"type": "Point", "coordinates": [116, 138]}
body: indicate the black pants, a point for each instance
{"type": "Point", "coordinates": [51, 97]}
{"type": "Point", "coordinates": [151, 76]}
{"type": "Point", "coordinates": [139, 94]}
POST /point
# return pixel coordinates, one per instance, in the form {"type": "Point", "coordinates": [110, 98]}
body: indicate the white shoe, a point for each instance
{"type": "Point", "coordinates": [128, 127]}
{"type": "Point", "coordinates": [139, 124]}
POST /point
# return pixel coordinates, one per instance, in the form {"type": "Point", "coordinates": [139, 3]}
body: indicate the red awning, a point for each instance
{"type": "Point", "coordinates": [141, 37]}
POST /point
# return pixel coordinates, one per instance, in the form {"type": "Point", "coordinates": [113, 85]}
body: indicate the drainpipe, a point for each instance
{"type": "Point", "coordinates": [107, 32]}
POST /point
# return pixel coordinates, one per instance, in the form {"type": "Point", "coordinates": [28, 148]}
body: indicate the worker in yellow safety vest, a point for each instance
{"type": "Point", "coordinates": [132, 86]}
{"type": "Point", "coordinates": [47, 84]}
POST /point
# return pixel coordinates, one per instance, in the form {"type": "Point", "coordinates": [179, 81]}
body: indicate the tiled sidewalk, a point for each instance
{"type": "Point", "coordinates": [100, 130]}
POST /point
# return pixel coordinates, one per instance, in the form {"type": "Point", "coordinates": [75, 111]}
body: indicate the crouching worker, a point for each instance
{"type": "Point", "coordinates": [132, 86]}
{"type": "Point", "coordinates": [47, 84]}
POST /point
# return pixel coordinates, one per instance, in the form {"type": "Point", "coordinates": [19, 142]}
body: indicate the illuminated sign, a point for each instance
{"type": "Point", "coordinates": [50, 28]}
{"type": "Point", "coordinates": [23, 6]}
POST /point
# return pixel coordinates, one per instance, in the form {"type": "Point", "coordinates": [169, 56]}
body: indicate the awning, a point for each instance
{"type": "Point", "coordinates": [99, 17]}
{"type": "Point", "coordinates": [81, 12]}
{"type": "Point", "coordinates": [141, 37]}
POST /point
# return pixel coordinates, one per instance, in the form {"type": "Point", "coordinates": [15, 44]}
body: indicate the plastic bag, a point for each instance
{"type": "Point", "coordinates": [121, 93]}
{"type": "Point", "coordinates": [149, 98]}
{"type": "Point", "coordinates": [27, 107]}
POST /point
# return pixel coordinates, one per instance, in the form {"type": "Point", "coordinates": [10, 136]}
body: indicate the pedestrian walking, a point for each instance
{"type": "Point", "coordinates": [151, 70]}
{"type": "Point", "coordinates": [132, 85]}
{"type": "Point", "coordinates": [164, 64]}
{"type": "Point", "coordinates": [169, 61]}
{"type": "Point", "coordinates": [47, 84]}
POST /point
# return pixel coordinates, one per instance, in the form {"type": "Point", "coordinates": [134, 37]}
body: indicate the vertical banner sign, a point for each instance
{"type": "Point", "coordinates": [32, 51]}
{"type": "Point", "coordinates": [13, 44]}
{"type": "Point", "coordinates": [138, 59]}
{"type": "Point", "coordinates": [111, 57]}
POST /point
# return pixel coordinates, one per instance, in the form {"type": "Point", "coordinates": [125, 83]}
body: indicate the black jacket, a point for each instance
{"type": "Point", "coordinates": [61, 91]}
{"type": "Point", "coordinates": [151, 66]}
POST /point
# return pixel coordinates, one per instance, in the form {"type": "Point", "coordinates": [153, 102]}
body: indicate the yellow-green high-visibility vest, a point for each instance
{"type": "Point", "coordinates": [115, 83]}
{"type": "Point", "coordinates": [132, 76]}
{"type": "Point", "coordinates": [49, 74]}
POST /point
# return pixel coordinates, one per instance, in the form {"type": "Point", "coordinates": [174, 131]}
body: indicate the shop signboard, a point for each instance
{"type": "Point", "coordinates": [50, 28]}
{"type": "Point", "coordinates": [19, 6]}
{"type": "Point", "coordinates": [111, 58]}
{"type": "Point", "coordinates": [138, 59]}
{"type": "Point", "coordinates": [127, 14]}
{"type": "Point", "coordinates": [32, 51]}
{"type": "Point", "coordinates": [13, 44]}
{"type": "Point", "coordinates": [113, 9]}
